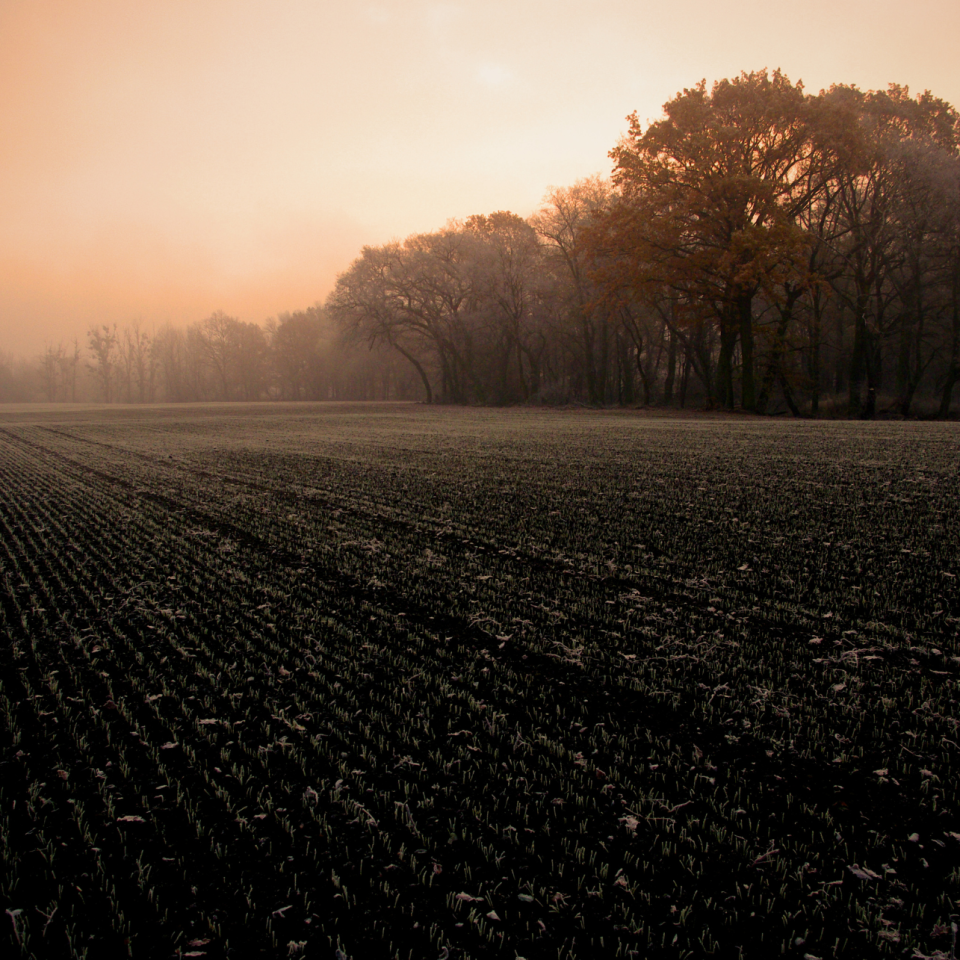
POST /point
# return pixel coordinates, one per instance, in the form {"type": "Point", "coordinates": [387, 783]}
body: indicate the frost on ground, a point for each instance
{"type": "Point", "coordinates": [366, 680]}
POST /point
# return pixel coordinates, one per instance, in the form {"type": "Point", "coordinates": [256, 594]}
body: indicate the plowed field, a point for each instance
{"type": "Point", "coordinates": [365, 681]}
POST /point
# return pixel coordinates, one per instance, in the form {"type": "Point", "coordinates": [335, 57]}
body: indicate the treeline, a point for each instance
{"type": "Point", "coordinates": [757, 247]}
{"type": "Point", "coordinates": [298, 356]}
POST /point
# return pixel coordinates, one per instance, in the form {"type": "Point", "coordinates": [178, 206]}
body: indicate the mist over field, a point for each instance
{"type": "Point", "coordinates": [758, 248]}
{"type": "Point", "coordinates": [165, 165]}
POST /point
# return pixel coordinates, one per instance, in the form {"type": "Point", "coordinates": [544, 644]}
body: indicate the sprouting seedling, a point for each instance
{"type": "Point", "coordinates": [14, 915]}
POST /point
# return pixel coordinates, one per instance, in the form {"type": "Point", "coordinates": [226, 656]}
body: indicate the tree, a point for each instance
{"type": "Point", "coordinates": [466, 306]}
{"type": "Point", "coordinates": [951, 284]}
{"type": "Point", "coordinates": [710, 200]}
{"type": "Point", "coordinates": [168, 352]}
{"type": "Point", "coordinates": [926, 212]}
{"type": "Point", "coordinates": [369, 306]}
{"type": "Point", "coordinates": [17, 379]}
{"type": "Point", "coordinates": [219, 336]}
{"type": "Point", "coordinates": [563, 224]}
{"type": "Point", "coordinates": [251, 353]}
{"type": "Point", "coordinates": [137, 363]}
{"type": "Point", "coordinates": [53, 363]}
{"type": "Point", "coordinates": [293, 343]}
{"type": "Point", "coordinates": [103, 343]}
{"type": "Point", "coordinates": [509, 288]}
{"type": "Point", "coordinates": [420, 298]}
{"type": "Point", "coordinates": [884, 199]}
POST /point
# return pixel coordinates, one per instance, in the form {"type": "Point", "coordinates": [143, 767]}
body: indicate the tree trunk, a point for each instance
{"type": "Point", "coordinates": [903, 365]}
{"type": "Point", "coordinates": [728, 340]}
{"type": "Point", "coordinates": [644, 379]}
{"type": "Point", "coordinates": [748, 390]}
{"type": "Point", "coordinates": [671, 371]}
{"type": "Point", "coordinates": [775, 363]}
{"type": "Point", "coordinates": [524, 387]}
{"type": "Point", "coordinates": [813, 361]}
{"type": "Point", "coordinates": [788, 395]}
{"type": "Point", "coordinates": [603, 374]}
{"type": "Point", "coordinates": [419, 368]}
{"type": "Point", "coordinates": [874, 364]}
{"type": "Point", "coordinates": [627, 394]}
{"type": "Point", "coordinates": [953, 373]}
{"type": "Point", "coordinates": [858, 364]}
{"type": "Point", "coordinates": [685, 377]}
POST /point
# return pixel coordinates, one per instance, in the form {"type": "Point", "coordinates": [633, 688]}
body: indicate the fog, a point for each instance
{"type": "Point", "coordinates": [163, 161]}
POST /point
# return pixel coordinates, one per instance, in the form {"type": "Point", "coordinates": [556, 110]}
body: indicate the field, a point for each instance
{"type": "Point", "coordinates": [357, 681]}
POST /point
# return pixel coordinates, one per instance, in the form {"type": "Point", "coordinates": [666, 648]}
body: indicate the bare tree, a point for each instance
{"type": "Point", "coordinates": [103, 345]}
{"type": "Point", "coordinates": [294, 342]}
{"type": "Point", "coordinates": [219, 339]}
{"type": "Point", "coordinates": [138, 362]}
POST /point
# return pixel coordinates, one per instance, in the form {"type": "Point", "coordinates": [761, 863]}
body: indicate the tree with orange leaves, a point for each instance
{"type": "Point", "coordinates": [709, 203]}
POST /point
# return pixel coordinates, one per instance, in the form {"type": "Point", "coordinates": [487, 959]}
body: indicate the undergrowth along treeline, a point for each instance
{"type": "Point", "coordinates": [389, 681]}
{"type": "Point", "coordinates": [757, 247]}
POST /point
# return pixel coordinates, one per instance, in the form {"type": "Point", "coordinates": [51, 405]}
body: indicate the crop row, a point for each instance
{"type": "Point", "coordinates": [491, 688]}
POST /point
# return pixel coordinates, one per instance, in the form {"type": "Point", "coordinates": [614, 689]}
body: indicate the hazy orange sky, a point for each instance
{"type": "Point", "coordinates": [162, 159]}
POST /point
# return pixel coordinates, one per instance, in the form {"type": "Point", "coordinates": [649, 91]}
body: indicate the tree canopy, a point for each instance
{"type": "Point", "coordinates": [757, 247]}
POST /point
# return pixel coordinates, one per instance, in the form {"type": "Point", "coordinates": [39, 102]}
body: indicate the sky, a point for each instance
{"type": "Point", "coordinates": [164, 159]}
